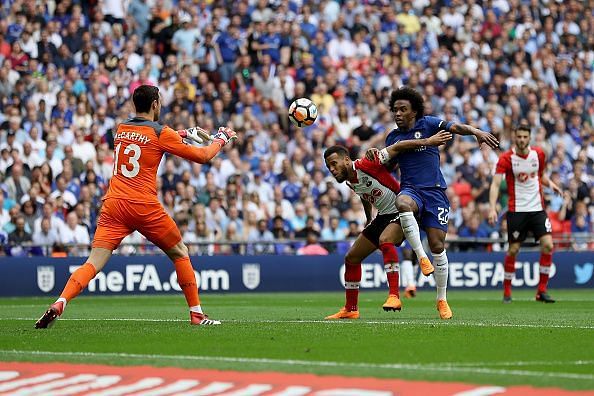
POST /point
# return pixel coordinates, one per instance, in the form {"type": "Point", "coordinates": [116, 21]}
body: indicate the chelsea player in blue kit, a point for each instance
{"type": "Point", "coordinates": [423, 188]}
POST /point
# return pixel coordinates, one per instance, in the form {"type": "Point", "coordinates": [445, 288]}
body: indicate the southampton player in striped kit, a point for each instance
{"type": "Point", "coordinates": [423, 189]}
{"type": "Point", "coordinates": [523, 168]}
{"type": "Point", "coordinates": [377, 188]}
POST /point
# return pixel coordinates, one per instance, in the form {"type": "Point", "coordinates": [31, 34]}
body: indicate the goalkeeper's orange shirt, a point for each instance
{"type": "Point", "coordinates": [139, 146]}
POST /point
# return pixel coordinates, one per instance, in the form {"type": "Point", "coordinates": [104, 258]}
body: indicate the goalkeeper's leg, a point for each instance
{"type": "Point", "coordinates": [187, 281]}
{"type": "Point", "coordinates": [163, 232]}
{"type": "Point", "coordinates": [77, 282]}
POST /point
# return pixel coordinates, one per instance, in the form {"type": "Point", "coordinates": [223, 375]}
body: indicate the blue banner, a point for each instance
{"type": "Point", "coordinates": [156, 274]}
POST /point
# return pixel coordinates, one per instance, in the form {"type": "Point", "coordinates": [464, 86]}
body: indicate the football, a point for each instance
{"type": "Point", "coordinates": [303, 112]}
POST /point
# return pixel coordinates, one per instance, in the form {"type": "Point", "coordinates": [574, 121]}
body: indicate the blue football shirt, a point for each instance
{"type": "Point", "coordinates": [420, 168]}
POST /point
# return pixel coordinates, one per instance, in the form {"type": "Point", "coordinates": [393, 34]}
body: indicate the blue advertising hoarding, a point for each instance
{"type": "Point", "coordinates": [155, 274]}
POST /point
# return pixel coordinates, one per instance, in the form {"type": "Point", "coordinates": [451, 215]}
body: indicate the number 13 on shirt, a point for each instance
{"type": "Point", "coordinates": [132, 160]}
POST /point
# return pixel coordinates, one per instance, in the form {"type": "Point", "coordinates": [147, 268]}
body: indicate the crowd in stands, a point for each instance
{"type": "Point", "coordinates": [68, 69]}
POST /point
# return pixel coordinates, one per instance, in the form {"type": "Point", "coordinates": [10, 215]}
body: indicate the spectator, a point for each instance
{"type": "Point", "coordinates": [45, 237]}
{"type": "Point", "coordinates": [48, 212]}
{"type": "Point", "coordinates": [260, 234]}
{"type": "Point", "coordinates": [474, 229]}
{"type": "Point", "coordinates": [312, 247]}
{"type": "Point", "coordinates": [18, 237]}
{"type": "Point", "coordinates": [74, 236]}
{"type": "Point", "coordinates": [333, 232]}
{"type": "Point", "coordinates": [200, 240]}
{"type": "Point", "coordinates": [17, 184]}
{"type": "Point", "coordinates": [90, 56]}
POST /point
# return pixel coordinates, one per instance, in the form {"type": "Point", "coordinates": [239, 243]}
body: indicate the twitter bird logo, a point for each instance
{"type": "Point", "coordinates": [583, 273]}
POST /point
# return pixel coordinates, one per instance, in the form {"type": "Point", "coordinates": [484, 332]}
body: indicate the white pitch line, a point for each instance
{"type": "Point", "coordinates": [308, 363]}
{"type": "Point", "coordinates": [498, 300]}
{"type": "Point", "coordinates": [453, 323]}
{"type": "Point", "coordinates": [519, 363]}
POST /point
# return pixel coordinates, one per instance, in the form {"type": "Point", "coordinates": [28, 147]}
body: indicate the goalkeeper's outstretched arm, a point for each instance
{"type": "Point", "coordinates": [172, 142]}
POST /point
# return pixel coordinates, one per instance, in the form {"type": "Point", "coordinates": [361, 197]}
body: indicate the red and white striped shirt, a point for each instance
{"type": "Point", "coordinates": [375, 185]}
{"type": "Point", "coordinates": [523, 175]}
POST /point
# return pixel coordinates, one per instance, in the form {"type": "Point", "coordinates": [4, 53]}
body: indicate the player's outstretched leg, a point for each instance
{"type": "Point", "coordinates": [509, 267]}
{"type": "Point", "coordinates": [77, 282]}
{"type": "Point", "coordinates": [187, 281]}
{"type": "Point", "coordinates": [352, 279]}
{"type": "Point", "coordinates": [441, 281]}
{"type": "Point", "coordinates": [392, 268]}
{"type": "Point", "coordinates": [413, 236]}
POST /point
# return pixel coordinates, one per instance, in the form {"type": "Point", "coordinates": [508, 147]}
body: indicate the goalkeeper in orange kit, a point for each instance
{"type": "Point", "coordinates": [131, 201]}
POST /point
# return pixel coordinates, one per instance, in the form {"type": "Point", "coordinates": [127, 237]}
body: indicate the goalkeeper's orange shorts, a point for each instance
{"type": "Point", "coordinates": [119, 218]}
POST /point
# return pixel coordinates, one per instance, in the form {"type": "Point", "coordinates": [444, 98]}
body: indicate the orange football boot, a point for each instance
{"type": "Point", "coordinates": [426, 266]}
{"type": "Point", "coordinates": [410, 292]}
{"type": "Point", "coordinates": [393, 303]}
{"type": "Point", "coordinates": [344, 314]}
{"type": "Point", "coordinates": [444, 309]}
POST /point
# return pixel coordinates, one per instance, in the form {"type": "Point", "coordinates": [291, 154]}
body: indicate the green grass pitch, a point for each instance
{"type": "Point", "coordinates": [486, 343]}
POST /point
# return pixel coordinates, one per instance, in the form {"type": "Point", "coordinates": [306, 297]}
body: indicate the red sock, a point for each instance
{"type": "Point", "coordinates": [391, 266]}
{"type": "Point", "coordinates": [187, 280]}
{"type": "Point", "coordinates": [393, 282]}
{"type": "Point", "coordinates": [352, 278]}
{"type": "Point", "coordinates": [78, 281]}
{"type": "Point", "coordinates": [545, 268]}
{"type": "Point", "coordinates": [509, 266]}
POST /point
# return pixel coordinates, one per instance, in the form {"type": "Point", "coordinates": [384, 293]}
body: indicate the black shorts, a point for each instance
{"type": "Point", "coordinates": [520, 223]}
{"type": "Point", "coordinates": [378, 225]}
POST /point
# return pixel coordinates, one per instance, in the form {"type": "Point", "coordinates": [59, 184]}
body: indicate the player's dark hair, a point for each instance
{"type": "Point", "coordinates": [340, 150]}
{"type": "Point", "coordinates": [524, 127]}
{"type": "Point", "coordinates": [417, 103]}
{"type": "Point", "coordinates": [143, 97]}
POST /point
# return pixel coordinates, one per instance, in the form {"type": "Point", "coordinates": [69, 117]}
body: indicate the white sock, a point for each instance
{"type": "Point", "coordinates": [63, 301]}
{"type": "Point", "coordinates": [412, 233]}
{"type": "Point", "coordinates": [440, 261]}
{"type": "Point", "coordinates": [196, 308]}
{"type": "Point", "coordinates": [407, 274]}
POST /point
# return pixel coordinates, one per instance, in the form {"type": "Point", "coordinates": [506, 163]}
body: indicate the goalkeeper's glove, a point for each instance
{"type": "Point", "coordinates": [196, 134]}
{"type": "Point", "coordinates": [224, 136]}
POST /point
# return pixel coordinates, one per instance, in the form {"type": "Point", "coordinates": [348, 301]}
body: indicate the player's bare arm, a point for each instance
{"type": "Point", "coordinates": [481, 136]}
{"type": "Point", "coordinates": [493, 196]}
{"type": "Point", "coordinates": [546, 181]}
{"type": "Point", "coordinates": [368, 211]}
{"type": "Point", "coordinates": [384, 155]}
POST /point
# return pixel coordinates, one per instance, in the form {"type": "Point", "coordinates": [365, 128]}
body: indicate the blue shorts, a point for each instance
{"type": "Point", "coordinates": [434, 206]}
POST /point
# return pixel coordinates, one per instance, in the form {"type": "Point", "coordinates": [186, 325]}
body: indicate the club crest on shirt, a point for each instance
{"type": "Point", "coordinates": [516, 234]}
{"type": "Point", "coordinates": [418, 134]}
